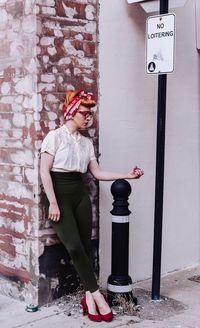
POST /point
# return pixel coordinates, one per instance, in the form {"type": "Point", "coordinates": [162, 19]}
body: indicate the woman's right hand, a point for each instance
{"type": "Point", "coordinates": [135, 173]}
{"type": "Point", "coordinates": [54, 212]}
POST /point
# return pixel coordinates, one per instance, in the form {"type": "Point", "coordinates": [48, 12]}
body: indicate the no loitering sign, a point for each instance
{"type": "Point", "coordinates": [160, 44]}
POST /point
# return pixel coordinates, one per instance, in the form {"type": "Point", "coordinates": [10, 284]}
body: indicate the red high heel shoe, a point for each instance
{"type": "Point", "coordinates": [93, 317]}
{"type": "Point", "coordinates": [108, 316]}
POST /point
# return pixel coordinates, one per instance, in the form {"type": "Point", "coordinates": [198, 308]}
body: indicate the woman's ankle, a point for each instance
{"type": "Point", "coordinates": [100, 299]}
{"type": "Point", "coordinates": [96, 293]}
{"type": "Point", "coordinates": [88, 296]}
{"type": "Point", "coordinates": [90, 302]}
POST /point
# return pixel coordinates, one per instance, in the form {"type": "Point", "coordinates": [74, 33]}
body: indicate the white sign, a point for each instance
{"type": "Point", "coordinates": [160, 44]}
{"type": "Point", "coordinates": [153, 5]}
{"type": "Point", "coordinates": [133, 1]}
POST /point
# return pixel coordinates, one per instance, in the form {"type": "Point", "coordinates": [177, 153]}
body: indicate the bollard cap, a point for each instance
{"type": "Point", "coordinates": [121, 188]}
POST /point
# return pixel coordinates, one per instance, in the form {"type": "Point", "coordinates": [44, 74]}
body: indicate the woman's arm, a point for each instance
{"type": "Point", "coordinates": [45, 167]}
{"type": "Point", "coordinates": [99, 174]}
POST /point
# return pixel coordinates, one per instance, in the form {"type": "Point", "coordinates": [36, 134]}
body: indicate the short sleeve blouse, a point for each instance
{"type": "Point", "coordinates": [71, 153]}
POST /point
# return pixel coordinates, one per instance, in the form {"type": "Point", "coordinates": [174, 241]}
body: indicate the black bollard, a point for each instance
{"type": "Point", "coordinates": [119, 282]}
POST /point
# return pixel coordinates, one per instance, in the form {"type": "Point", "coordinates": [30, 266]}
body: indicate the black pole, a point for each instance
{"type": "Point", "coordinates": [159, 184]}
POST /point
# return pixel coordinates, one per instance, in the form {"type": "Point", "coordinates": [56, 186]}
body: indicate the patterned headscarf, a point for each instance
{"type": "Point", "coordinates": [74, 99]}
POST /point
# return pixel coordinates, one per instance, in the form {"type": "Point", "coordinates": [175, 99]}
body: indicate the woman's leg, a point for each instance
{"type": "Point", "coordinates": [68, 232]}
{"type": "Point", "coordinates": [83, 215]}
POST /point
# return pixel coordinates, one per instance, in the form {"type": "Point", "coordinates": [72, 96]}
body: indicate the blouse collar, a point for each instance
{"type": "Point", "coordinates": [76, 135]}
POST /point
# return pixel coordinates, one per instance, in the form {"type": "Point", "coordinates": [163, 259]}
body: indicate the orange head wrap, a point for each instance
{"type": "Point", "coordinates": [74, 99]}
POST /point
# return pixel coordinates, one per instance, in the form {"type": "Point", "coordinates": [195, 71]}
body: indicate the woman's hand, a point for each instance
{"type": "Point", "coordinates": [54, 212]}
{"type": "Point", "coordinates": [135, 173]}
{"type": "Point", "coordinates": [45, 168]}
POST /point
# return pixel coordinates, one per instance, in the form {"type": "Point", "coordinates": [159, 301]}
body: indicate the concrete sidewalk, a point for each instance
{"type": "Point", "coordinates": [179, 308]}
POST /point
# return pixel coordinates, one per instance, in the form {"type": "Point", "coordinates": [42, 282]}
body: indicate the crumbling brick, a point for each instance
{"type": "Point", "coordinates": [47, 47]}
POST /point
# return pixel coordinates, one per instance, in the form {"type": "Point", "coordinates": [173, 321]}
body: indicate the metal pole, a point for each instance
{"type": "Point", "coordinates": [160, 154]}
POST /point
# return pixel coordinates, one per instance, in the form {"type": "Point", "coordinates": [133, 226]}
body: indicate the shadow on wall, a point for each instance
{"type": "Point", "coordinates": [57, 274]}
{"type": "Point", "coordinates": [138, 15]}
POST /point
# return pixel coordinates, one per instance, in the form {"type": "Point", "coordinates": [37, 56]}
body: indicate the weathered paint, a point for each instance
{"type": "Point", "coordinates": [47, 47]}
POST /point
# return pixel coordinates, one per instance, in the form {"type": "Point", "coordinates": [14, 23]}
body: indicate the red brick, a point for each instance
{"type": "Point", "coordinates": [12, 207]}
{"type": "Point", "coordinates": [15, 273]}
{"type": "Point", "coordinates": [15, 8]}
{"type": "Point", "coordinates": [8, 231]}
{"type": "Point", "coordinates": [14, 217]}
{"type": "Point", "coordinates": [7, 247]}
{"type": "Point", "coordinates": [79, 7]}
{"type": "Point", "coordinates": [44, 128]}
{"type": "Point", "coordinates": [5, 107]}
{"type": "Point", "coordinates": [13, 199]}
{"type": "Point", "coordinates": [89, 48]}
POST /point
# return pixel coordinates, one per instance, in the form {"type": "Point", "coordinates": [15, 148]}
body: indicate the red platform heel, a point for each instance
{"type": "Point", "coordinates": [93, 317]}
{"type": "Point", "coordinates": [108, 316]}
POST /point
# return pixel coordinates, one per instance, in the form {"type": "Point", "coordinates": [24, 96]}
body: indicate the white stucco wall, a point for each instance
{"type": "Point", "coordinates": [128, 109]}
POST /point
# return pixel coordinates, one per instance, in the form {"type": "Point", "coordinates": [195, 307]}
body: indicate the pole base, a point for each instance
{"type": "Point", "coordinates": [120, 286]}
{"type": "Point", "coordinates": [114, 298]}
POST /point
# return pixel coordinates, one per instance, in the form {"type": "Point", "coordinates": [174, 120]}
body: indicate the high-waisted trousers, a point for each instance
{"type": "Point", "coordinates": [75, 225]}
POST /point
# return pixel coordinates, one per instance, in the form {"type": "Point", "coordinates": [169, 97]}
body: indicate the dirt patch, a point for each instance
{"type": "Point", "coordinates": [69, 304]}
{"type": "Point", "coordinates": [195, 278]}
{"type": "Point", "coordinates": [146, 308]}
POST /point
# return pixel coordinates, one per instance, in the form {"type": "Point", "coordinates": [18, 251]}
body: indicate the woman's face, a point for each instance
{"type": "Point", "coordinates": [82, 117]}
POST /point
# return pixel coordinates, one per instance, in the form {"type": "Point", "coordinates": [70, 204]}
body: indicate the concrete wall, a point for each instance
{"type": "Point", "coordinates": [128, 137]}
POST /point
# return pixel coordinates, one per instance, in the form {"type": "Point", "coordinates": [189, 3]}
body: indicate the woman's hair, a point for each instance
{"type": "Point", "coordinates": [74, 99]}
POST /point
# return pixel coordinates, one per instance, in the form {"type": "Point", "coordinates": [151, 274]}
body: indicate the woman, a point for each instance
{"type": "Point", "coordinates": [65, 155]}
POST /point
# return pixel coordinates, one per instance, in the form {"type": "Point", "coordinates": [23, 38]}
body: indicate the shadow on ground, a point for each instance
{"type": "Point", "coordinates": [156, 310]}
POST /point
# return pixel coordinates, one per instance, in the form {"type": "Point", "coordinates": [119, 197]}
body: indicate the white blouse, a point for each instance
{"type": "Point", "coordinates": [72, 153]}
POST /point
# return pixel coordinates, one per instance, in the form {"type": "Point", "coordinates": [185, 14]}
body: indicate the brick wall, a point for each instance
{"type": "Point", "coordinates": [47, 47]}
{"type": "Point", "coordinates": [18, 142]}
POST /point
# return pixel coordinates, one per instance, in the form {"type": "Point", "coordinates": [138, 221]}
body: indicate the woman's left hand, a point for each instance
{"type": "Point", "coordinates": [135, 173]}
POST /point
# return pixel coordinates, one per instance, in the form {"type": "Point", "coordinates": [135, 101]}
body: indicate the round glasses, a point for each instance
{"type": "Point", "coordinates": [86, 114]}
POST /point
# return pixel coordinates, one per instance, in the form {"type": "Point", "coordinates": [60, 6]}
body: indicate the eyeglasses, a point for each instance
{"type": "Point", "coordinates": [86, 114]}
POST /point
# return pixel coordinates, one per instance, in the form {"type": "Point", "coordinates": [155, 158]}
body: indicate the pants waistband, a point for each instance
{"type": "Point", "coordinates": [68, 176]}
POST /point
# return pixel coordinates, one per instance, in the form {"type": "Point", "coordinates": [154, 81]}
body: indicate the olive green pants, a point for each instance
{"type": "Point", "coordinates": [75, 225]}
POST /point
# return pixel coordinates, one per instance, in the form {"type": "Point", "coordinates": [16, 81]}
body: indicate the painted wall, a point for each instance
{"type": "Point", "coordinates": [128, 137]}
{"type": "Point", "coordinates": [18, 144]}
{"type": "Point", "coordinates": [67, 59]}
{"type": "Point", "coordinates": [47, 47]}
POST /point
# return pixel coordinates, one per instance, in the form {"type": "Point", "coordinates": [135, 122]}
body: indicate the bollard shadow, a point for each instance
{"type": "Point", "coordinates": [157, 310]}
